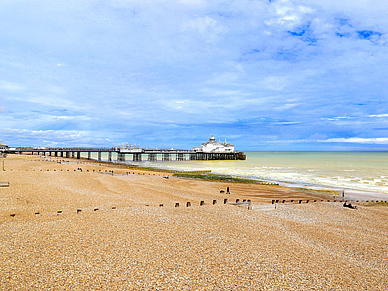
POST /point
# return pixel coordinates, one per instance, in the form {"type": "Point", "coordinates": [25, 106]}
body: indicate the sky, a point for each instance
{"type": "Point", "coordinates": [264, 75]}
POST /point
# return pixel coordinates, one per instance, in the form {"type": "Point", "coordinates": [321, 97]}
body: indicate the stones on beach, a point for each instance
{"type": "Point", "coordinates": [202, 203]}
{"type": "Point", "coordinates": [188, 204]}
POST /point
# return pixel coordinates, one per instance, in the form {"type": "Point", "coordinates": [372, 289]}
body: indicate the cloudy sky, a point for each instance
{"type": "Point", "coordinates": [265, 75]}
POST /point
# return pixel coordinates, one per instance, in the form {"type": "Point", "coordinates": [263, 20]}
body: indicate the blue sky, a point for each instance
{"type": "Point", "coordinates": [265, 75]}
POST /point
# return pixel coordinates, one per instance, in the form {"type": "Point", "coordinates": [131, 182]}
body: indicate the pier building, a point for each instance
{"type": "Point", "coordinates": [3, 147]}
{"type": "Point", "coordinates": [212, 146]}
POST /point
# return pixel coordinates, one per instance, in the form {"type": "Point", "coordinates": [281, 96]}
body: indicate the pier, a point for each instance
{"type": "Point", "coordinates": [208, 151]}
{"type": "Point", "coordinates": [131, 154]}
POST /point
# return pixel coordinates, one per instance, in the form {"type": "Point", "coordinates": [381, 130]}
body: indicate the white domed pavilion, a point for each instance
{"type": "Point", "coordinates": [212, 146]}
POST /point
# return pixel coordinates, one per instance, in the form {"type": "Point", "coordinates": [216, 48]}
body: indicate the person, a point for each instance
{"type": "Point", "coordinates": [343, 193]}
{"type": "Point", "coordinates": [227, 190]}
{"type": "Point", "coordinates": [349, 206]}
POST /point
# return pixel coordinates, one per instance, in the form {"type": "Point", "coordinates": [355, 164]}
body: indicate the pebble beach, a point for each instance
{"type": "Point", "coordinates": [107, 227]}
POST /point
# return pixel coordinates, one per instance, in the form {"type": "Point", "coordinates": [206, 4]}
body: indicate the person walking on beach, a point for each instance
{"type": "Point", "coordinates": [227, 190]}
{"type": "Point", "coordinates": [343, 193]}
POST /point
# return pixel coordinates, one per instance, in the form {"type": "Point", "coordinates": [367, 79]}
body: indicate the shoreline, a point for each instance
{"type": "Point", "coordinates": [351, 193]}
{"type": "Point", "coordinates": [81, 225]}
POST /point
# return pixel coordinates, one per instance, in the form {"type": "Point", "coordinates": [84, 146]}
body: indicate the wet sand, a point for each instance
{"type": "Point", "coordinates": [122, 239]}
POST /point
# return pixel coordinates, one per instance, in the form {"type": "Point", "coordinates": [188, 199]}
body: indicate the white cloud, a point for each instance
{"type": "Point", "coordinates": [377, 140]}
{"type": "Point", "coordinates": [126, 62]}
{"type": "Point", "coordinates": [67, 137]}
{"type": "Point", "coordinates": [338, 118]}
{"type": "Point", "coordinates": [277, 83]}
{"type": "Point", "coordinates": [287, 122]}
{"type": "Point", "coordinates": [208, 28]}
{"type": "Point", "coordinates": [378, 115]}
{"type": "Point", "coordinates": [10, 86]}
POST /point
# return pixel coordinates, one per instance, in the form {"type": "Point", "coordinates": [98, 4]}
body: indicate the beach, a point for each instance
{"type": "Point", "coordinates": [70, 224]}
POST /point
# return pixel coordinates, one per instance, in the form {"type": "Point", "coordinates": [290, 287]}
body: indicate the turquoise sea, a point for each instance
{"type": "Point", "coordinates": [343, 170]}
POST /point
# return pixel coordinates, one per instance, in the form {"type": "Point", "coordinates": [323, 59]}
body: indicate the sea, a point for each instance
{"type": "Point", "coordinates": [365, 171]}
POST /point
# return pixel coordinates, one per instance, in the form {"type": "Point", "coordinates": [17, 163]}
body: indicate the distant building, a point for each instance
{"type": "Point", "coordinates": [3, 147]}
{"type": "Point", "coordinates": [128, 149]}
{"type": "Point", "coordinates": [213, 146]}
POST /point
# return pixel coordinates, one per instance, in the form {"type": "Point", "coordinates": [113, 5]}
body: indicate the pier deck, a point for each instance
{"type": "Point", "coordinates": [135, 154]}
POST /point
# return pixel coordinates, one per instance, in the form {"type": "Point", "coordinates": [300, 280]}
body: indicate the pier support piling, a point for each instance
{"type": "Point", "coordinates": [152, 157]}
{"type": "Point", "coordinates": [120, 157]}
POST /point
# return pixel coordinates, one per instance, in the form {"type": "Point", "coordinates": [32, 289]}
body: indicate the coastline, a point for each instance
{"type": "Point", "coordinates": [82, 225]}
{"type": "Point", "coordinates": [351, 193]}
